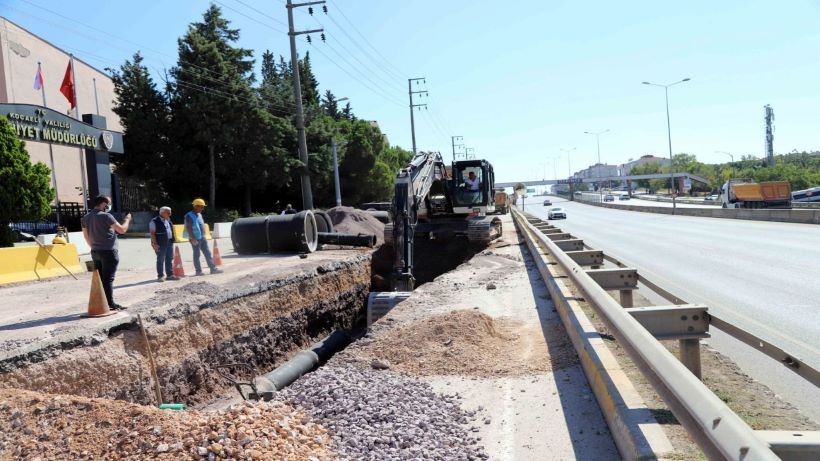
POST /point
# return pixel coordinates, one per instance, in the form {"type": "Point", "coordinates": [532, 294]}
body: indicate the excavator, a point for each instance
{"type": "Point", "coordinates": [435, 201]}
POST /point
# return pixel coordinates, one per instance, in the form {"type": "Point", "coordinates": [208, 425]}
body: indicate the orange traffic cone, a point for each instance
{"type": "Point", "coordinates": [97, 304]}
{"type": "Point", "coordinates": [179, 271]}
{"type": "Point", "coordinates": [217, 256]}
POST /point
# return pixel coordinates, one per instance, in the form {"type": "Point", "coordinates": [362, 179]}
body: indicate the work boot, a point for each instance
{"type": "Point", "coordinates": [160, 279]}
{"type": "Point", "coordinates": [216, 270]}
{"type": "Point", "coordinates": [117, 307]}
{"type": "Point", "coordinates": [171, 278]}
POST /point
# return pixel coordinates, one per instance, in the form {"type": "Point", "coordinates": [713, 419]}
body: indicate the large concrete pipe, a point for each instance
{"type": "Point", "coordinates": [293, 232]}
{"type": "Point", "coordinates": [356, 240]}
{"type": "Point", "coordinates": [323, 222]}
{"type": "Point", "coordinates": [303, 362]}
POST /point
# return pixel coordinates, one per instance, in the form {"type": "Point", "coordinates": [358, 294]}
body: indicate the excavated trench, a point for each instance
{"type": "Point", "coordinates": [259, 322]}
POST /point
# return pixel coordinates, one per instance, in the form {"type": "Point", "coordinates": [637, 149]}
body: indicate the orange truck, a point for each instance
{"type": "Point", "coordinates": [502, 202]}
{"type": "Point", "coordinates": [738, 193]}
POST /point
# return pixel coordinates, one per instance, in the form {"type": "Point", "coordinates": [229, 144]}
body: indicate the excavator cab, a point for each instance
{"type": "Point", "coordinates": [472, 187]}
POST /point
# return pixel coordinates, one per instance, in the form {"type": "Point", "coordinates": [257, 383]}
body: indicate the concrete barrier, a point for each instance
{"type": "Point", "coordinates": [181, 235]}
{"type": "Point", "coordinates": [222, 230]}
{"type": "Point", "coordinates": [75, 238]}
{"type": "Point", "coordinates": [801, 216]}
{"type": "Point", "coordinates": [26, 263]}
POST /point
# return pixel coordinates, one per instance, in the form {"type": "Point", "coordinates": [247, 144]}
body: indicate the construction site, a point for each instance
{"type": "Point", "coordinates": [474, 363]}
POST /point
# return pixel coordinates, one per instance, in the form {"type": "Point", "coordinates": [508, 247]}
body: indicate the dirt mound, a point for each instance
{"type": "Point", "coordinates": [468, 342]}
{"type": "Point", "coordinates": [353, 221]}
{"type": "Point", "coordinates": [52, 426]}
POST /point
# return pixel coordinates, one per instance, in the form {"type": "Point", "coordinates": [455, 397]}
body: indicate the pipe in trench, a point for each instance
{"type": "Point", "coordinates": [303, 362]}
{"type": "Point", "coordinates": [336, 238]}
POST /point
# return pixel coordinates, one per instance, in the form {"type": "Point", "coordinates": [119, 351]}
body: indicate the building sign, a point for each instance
{"type": "Point", "coordinates": [37, 123]}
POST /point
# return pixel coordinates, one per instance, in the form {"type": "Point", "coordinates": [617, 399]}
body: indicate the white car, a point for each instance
{"type": "Point", "coordinates": [712, 198]}
{"type": "Point", "coordinates": [556, 213]}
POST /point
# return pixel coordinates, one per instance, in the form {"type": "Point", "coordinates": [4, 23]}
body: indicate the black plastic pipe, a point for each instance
{"type": "Point", "coordinates": [356, 240]}
{"type": "Point", "coordinates": [303, 362]}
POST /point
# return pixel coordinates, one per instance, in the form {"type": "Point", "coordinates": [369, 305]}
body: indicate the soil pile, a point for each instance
{"type": "Point", "coordinates": [352, 221]}
{"type": "Point", "coordinates": [468, 342]}
{"type": "Point", "coordinates": [48, 426]}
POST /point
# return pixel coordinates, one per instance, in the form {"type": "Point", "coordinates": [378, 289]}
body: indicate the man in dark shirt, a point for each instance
{"type": "Point", "coordinates": [100, 230]}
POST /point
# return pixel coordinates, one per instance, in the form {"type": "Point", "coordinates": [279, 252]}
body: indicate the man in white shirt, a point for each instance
{"type": "Point", "coordinates": [472, 182]}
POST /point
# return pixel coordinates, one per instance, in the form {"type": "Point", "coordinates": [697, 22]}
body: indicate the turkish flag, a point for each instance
{"type": "Point", "coordinates": [67, 87]}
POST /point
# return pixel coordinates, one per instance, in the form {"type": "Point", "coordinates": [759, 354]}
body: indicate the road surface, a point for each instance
{"type": "Point", "coordinates": [763, 276]}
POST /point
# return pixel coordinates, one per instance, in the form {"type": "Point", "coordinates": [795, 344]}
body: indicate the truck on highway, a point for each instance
{"type": "Point", "coordinates": [502, 202]}
{"type": "Point", "coordinates": [745, 193]}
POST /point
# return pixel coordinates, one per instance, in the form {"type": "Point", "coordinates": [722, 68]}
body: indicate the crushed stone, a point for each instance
{"type": "Point", "coordinates": [376, 415]}
{"type": "Point", "coordinates": [50, 426]}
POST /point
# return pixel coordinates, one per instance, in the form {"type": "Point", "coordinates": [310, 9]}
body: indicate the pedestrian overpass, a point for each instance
{"type": "Point", "coordinates": [548, 182]}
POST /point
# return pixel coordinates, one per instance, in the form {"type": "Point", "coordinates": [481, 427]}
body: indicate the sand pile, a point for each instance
{"type": "Point", "coordinates": [47, 426]}
{"type": "Point", "coordinates": [352, 221]}
{"type": "Point", "coordinates": [467, 342]}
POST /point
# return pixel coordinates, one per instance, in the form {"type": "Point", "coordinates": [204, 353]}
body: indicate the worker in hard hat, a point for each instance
{"type": "Point", "coordinates": [195, 227]}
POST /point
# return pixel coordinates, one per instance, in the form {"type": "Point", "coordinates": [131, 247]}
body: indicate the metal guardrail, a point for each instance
{"type": "Point", "coordinates": [717, 430]}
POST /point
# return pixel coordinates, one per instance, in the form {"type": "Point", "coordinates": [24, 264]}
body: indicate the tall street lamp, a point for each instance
{"type": "Point", "coordinates": [569, 170]}
{"type": "Point", "coordinates": [731, 157]}
{"type": "Point", "coordinates": [336, 165]}
{"type": "Point", "coordinates": [669, 134]}
{"type": "Point", "coordinates": [597, 135]}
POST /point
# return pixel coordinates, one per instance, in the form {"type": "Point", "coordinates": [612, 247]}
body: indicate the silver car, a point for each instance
{"type": "Point", "coordinates": [556, 213]}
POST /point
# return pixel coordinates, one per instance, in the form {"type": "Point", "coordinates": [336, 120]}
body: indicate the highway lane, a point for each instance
{"type": "Point", "coordinates": [763, 276]}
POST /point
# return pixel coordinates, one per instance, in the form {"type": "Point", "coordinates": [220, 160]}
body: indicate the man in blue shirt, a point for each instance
{"type": "Point", "coordinates": [195, 226]}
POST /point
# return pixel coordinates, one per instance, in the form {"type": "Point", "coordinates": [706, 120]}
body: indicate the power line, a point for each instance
{"type": "Point", "coordinates": [399, 73]}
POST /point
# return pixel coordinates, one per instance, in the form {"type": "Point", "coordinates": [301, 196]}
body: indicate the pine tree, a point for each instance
{"type": "Point", "coordinates": [330, 105]}
{"type": "Point", "coordinates": [212, 89]}
{"type": "Point", "coordinates": [144, 116]}
{"type": "Point", "coordinates": [25, 189]}
{"type": "Point", "coordinates": [310, 86]}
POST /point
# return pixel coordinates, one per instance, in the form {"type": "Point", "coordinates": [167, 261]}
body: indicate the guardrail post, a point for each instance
{"type": "Point", "coordinates": [690, 355]}
{"type": "Point", "coordinates": [626, 298]}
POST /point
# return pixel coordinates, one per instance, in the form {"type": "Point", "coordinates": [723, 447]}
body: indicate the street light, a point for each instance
{"type": "Point", "coordinates": [731, 157]}
{"type": "Point", "coordinates": [336, 184]}
{"type": "Point", "coordinates": [569, 171]}
{"type": "Point", "coordinates": [598, 143]}
{"type": "Point", "coordinates": [669, 133]}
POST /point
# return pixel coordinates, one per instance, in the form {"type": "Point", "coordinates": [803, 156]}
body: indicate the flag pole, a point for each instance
{"type": "Point", "coordinates": [96, 100]}
{"type": "Point", "coordinates": [50, 149]}
{"type": "Point", "coordinates": [84, 172]}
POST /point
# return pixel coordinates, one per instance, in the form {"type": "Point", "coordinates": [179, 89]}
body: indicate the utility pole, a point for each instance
{"type": "Point", "coordinates": [307, 193]}
{"type": "Point", "coordinates": [421, 93]}
{"type": "Point", "coordinates": [467, 155]}
{"type": "Point", "coordinates": [454, 139]}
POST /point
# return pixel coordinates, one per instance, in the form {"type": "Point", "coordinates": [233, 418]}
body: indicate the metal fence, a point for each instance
{"type": "Point", "coordinates": [719, 432]}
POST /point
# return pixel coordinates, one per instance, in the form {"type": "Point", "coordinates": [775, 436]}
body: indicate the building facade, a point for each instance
{"type": "Point", "coordinates": [75, 144]}
{"type": "Point", "coordinates": [627, 167]}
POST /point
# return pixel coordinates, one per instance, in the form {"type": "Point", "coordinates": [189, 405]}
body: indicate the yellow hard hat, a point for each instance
{"type": "Point", "coordinates": [198, 202]}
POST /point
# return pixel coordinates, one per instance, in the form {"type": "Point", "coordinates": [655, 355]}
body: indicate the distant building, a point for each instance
{"type": "Point", "coordinates": [598, 170]}
{"type": "Point", "coordinates": [76, 150]}
{"type": "Point", "coordinates": [627, 167]}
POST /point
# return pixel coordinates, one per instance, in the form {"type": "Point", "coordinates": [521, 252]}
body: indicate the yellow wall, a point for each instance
{"type": "Point", "coordinates": [23, 264]}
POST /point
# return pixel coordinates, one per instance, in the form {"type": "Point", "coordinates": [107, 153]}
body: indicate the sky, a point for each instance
{"type": "Point", "coordinates": [519, 80]}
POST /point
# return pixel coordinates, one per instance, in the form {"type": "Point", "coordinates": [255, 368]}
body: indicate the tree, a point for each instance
{"type": "Point", "coordinates": [25, 189]}
{"type": "Point", "coordinates": [310, 86]}
{"type": "Point", "coordinates": [144, 116]}
{"type": "Point", "coordinates": [212, 88]}
{"type": "Point", "coordinates": [330, 105]}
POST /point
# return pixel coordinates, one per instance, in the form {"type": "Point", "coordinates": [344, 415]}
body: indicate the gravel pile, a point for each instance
{"type": "Point", "coordinates": [352, 221]}
{"type": "Point", "coordinates": [465, 342]}
{"type": "Point", "coordinates": [43, 426]}
{"type": "Point", "coordinates": [375, 415]}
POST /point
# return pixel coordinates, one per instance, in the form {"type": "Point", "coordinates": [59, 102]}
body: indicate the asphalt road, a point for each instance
{"type": "Point", "coordinates": [763, 276]}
